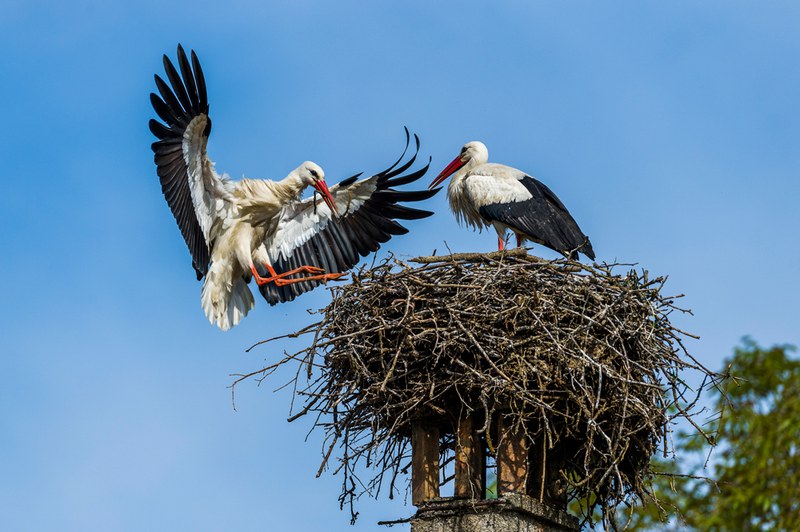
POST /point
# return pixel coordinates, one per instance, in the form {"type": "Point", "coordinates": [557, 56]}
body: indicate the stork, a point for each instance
{"type": "Point", "coordinates": [484, 194]}
{"type": "Point", "coordinates": [261, 229]}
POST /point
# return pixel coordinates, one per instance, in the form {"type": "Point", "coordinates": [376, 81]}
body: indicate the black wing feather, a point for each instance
{"type": "Point", "coordinates": [357, 237]}
{"type": "Point", "coordinates": [340, 244]}
{"type": "Point", "coordinates": [387, 174]}
{"type": "Point", "coordinates": [405, 195]}
{"type": "Point", "coordinates": [345, 245]}
{"type": "Point", "coordinates": [177, 84]}
{"type": "Point", "coordinates": [350, 180]}
{"type": "Point", "coordinates": [405, 213]}
{"type": "Point", "coordinates": [168, 96]}
{"type": "Point", "coordinates": [179, 102]}
{"type": "Point", "coordinates": [409, 178]}
{"type": "Point", "coordinates": [543, 219]}
{"type": "Point", "coordinates": [408, 139]}
{"type": "Point", "coordinates": [163, 111]}
{"type": "Point", "coordinates": [333, 247]}
{"type": "Point", "coordinates": [160, 130]}
{"type": "Point", "coordinates": [188, 81]}
{"type": "Point", "coordinates": [201, 85]}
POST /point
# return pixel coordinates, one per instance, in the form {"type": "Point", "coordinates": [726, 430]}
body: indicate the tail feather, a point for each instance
{"type": "Point", "coordinates": [225, 301]}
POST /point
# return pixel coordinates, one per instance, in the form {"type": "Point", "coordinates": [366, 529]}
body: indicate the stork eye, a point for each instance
{"type": "Point", "coordinates": [314, 173]}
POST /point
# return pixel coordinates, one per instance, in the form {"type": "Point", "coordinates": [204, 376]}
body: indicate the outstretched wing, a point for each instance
{"type": "Point", "coordinates": [196, 194]}
{"type": "Point", "coordinates": [544, 218]}
{"type": "Point", "coordinates": [308, 233]}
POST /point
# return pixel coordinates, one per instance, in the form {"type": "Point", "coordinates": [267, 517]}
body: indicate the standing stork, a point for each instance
{"type": "Point", "coordinates": [261, 229]}
{"type": "Point", "coordinates": [484, 194]}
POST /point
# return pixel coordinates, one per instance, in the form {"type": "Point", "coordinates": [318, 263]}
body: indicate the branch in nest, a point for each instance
{"type": "Point", "coordinates": [585, 360]}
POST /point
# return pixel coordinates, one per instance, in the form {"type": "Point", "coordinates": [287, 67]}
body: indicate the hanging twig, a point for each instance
{"type": "Point", "coordinates": [584, 359]}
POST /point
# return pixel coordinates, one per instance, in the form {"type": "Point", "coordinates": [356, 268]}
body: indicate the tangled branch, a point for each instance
{"type": "Point", "coordinates": [581, 358]}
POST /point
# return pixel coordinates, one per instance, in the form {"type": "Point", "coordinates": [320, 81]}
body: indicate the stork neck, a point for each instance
{"type": "Point", "coordinates": [290, 187]}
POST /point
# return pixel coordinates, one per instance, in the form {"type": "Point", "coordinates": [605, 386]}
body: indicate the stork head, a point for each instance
{"type": "Point", "coordinates": [472, 154]}
{"type": "Point", "coordinates": [312, 175]}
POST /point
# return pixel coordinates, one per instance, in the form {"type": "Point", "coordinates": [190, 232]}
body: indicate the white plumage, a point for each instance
{"type": "Point", "coordinates": [261, 229]}
{"type": "Point", "coordinates": [484, 194]}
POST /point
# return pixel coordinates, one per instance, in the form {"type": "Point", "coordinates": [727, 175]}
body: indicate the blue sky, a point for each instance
{"type": "Point", "coordinates": [670, 130]}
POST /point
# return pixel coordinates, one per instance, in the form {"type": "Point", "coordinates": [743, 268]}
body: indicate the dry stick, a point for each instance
{"type": "Point", "coordinates": [296, 334]}
{"type": "Point", "coordinates": [327, 456]}
{"type": "Point", "coordinates": [475, 257]}
{"type": "Point", "coordinates": [472, 331]}
{"type": "Point", "coordinates": [543, 466]}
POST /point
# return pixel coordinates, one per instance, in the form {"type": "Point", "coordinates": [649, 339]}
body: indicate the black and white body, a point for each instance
{"type": "Point", "coordinates": [484, 194]}
{"type": "Point", "coordinates": [262, 229]}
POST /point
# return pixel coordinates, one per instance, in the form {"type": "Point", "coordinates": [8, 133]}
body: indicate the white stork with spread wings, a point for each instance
{"type": "Point", "coordinates": [484, 194]}
{"type": "Point", "coordinates": [261, 229]}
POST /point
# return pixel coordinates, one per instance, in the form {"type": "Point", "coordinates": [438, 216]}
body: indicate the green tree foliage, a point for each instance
{"type": "Point", "coordinates": [756, 463]}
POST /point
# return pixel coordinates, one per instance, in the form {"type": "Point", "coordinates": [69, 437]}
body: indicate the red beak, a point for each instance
{"type": "Point", "coordinates": [322, 188]}
{"type": "Point", "coordinates": [454, 165]}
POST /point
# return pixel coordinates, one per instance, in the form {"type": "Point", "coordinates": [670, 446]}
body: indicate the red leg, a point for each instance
{"type": "Point", "coordinates": [519, 241]}
{"type": "Point", "coordinates": [501, 244]}
{"type": "Point", "coordinates": [280, 280]}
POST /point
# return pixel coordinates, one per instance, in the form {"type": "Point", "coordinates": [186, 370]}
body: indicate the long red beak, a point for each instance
{"type": "Point", "coordinates": [322, 188]}
{"type": "Point", "coordinates": [454, 165]}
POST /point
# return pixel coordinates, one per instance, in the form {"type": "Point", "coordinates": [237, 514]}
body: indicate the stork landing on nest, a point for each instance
{"type": "Point", "coordinates": [261, 229]}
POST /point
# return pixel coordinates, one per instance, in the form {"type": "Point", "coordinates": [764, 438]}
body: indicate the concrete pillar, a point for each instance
{"type": "Point", "coordinates": [514, 512]}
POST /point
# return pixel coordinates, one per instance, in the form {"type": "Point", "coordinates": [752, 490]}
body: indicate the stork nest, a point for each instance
{"type": "Point", "coordinates": [584, 360]}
